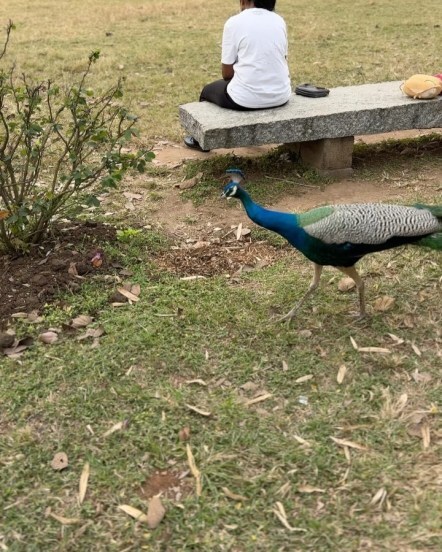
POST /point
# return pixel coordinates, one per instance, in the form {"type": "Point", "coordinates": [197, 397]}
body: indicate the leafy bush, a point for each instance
{"type": "Point", "coordinates": [58, 147]}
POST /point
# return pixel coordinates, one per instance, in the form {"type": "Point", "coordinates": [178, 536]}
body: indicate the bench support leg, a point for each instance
{"type": "Point", "coordinates": [331, 157]}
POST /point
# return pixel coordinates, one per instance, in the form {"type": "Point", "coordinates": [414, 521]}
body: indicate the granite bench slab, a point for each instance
{"type": "Point", "coordinates": [324, 127]}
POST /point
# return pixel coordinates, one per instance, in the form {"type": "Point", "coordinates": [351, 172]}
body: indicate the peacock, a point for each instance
{"type": "Point", "coordinates": [340, 235]}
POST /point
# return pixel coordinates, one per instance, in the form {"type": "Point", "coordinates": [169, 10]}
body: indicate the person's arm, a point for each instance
{"type": "Point", "coordinates": [229, 51]}
{"type": "Point", "coordinates": [227, 71]}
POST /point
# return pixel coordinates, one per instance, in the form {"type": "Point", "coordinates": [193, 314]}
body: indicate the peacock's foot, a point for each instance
{"type": "Point", "coordinates": [358, 316]}
{"type": "Point", "coordinates": [289, 316]}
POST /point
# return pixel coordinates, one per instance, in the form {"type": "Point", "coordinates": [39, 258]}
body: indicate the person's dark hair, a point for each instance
{"type": "Point", "coordinates": [265, 4]}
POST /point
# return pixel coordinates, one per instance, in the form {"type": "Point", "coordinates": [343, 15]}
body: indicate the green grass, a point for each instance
{"type": "Point", "coordinates": [65, 397]}
{"type": "Point", "coordinates": [52, 394]}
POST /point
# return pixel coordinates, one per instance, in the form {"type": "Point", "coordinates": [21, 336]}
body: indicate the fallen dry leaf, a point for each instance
{"type": "Point", "coordinates": [231, 495]}
{"type": "Point", "coordinates": [14, 352]}
{"type": "Point", "coordinates": [420, 428]}
{"type": "Point", "coordinates": [304, 378]}
{"type": "Point", "coordinates": [129, 295]}
{"type": "Point", "coordinates": [136, 289]}
{"type": "Point", "coordinates": [194, 470]}
{"type": "Point", "coordinates": [190, 182]}
{"type": "Point", "coordinates": [258, 399]}
{"type": "Point", "coordinates": [64, 520]}
{"type": "Point", "coordinates": [155, 512]}
{"type": "Point", "coordinates": [72, 270]}
{"type": "Point", "coordinates": [138, 515]}
{"type": "Point", "coordinates": [18, 347]}
{"type": "Point", "coordinates": [6, 340]}
{"type": "Point", "coordinates": [301, 440]}
{"type": "Point", "coordinates": [279, 512]}
{"type": "Point", "coordinates": [19, 315]}
{"type": "Point", "coordinates": [116, 427]}
{"type": "Point", "coordinates": [396, 339]}
{"type": "Point", "coordinates": [184, 434]}
{"type": "Point", "coordinates": [426, 437]}
{"type": "Point", "coordinates": [187, 184]}
{"type": "Point", "coordinates": [60, 461]}
{"type": "Point", "coordinates": [198, 381]}
{"type": "Point", "coordinates": [48, 337]}
{"type": "Point", "coordinates": [421, 377]}
{"type": "Point", "coordinates": [341, 373]}
{"type": "Point", "coordinates": [379, 497]}
{"type": "Point", "coordinates": [194, 277]}
{"type": "Point", "coordinates": [97, 259]}
{"type": "Point", "coordinates": [249, 386]}
{"type": "Point", "coordinates": [382, 350]}
{"type": "Point", "coordinates": [91, 332]}
{"type": "Point", "coordinates": [81, 321]}
{"type": "Point", "coordinates": [346, 443]}
{"type": "Point", "coordinates": [84, 478]}
{"type": "Point", "coordinates": [384, 303]}
{"type": "Point", "coordinates": [408, 321]}
{"type": "Point", "coordinates": [346, 284]}
{"type": "Point", "coordinates": [309, 489]}
{"type": "Point", "coordinates": [416, 349]}
{"type": "Point", "coordinates": [400, 404]}
{"type": "Point", "coordinates": [130, 195]}
{"type": "Point", "coordinates": [34, 317]}
{"type": "Point", "coordinates": [4, 215]}
{"type": "Point", "coordinates": [198, 410]}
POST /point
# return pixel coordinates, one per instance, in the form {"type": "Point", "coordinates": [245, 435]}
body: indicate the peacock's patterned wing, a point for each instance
{"type": "Point", "coordinates": [369, 223]}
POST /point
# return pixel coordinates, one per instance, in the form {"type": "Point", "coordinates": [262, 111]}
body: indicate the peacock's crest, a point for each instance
{"type": "Point", "coordinates": [235, 176]}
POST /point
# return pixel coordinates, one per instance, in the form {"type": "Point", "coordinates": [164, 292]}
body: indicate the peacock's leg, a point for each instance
{"type": "Point", "coordinates": [354, 275]}
{"type": "Point", "coordinates": [315, 283]}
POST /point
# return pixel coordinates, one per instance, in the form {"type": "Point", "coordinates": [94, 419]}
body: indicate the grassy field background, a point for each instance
{"type": "Point", "coordinates": [303, 441]}
{"type": "Point", "coordinates": [168, 50]}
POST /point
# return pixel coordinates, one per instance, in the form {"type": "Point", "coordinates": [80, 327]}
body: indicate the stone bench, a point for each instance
{"type": "Point", "coordinates": [321, 129]}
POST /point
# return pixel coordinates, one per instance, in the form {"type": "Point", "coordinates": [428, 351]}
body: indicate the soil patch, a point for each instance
{"type": "Point", "coordinates": [167, 483]}
{"type": "Point", "coordinates": [231, 258]}
{"type": "Point", "coordinates": [61, 263]}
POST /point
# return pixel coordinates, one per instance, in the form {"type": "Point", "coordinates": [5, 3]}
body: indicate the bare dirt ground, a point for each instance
{"type": "Point", "coordinates": [69, 257]}
{"type": "Point", "coordinates": [181, 217]}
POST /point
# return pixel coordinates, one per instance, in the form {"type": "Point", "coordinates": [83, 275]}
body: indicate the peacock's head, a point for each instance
{"type": "Point", "coordinates": [230, 189]}
{"type": "Point", "coordinates": [236, 176]}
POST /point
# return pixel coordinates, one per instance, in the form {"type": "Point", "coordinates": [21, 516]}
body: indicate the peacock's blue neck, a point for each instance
{"type": "Point", "coordinates": [284, 224]}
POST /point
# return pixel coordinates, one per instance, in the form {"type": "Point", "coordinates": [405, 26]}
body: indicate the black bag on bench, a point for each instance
{"type": "Point", "coordinates": [311, 91]}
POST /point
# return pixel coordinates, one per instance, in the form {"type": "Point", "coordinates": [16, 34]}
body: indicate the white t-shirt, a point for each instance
{"type": "Point", "coordinates": [255, 41]}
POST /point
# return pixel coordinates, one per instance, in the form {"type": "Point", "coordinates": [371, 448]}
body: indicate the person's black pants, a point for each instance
{"type": "Point", "coordinates": [216, 93]}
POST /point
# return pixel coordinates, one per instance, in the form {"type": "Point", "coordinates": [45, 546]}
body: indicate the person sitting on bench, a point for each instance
{"type": "Point", "coordinates": [253, 62]}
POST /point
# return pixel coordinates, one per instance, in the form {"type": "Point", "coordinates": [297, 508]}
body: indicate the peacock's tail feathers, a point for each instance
{"type": "Point", "coordinates": [434, 241]}
{"type": "Point", "coordinates": [373, 223]}
{"type": "Point", "coordinates": [435, 210]}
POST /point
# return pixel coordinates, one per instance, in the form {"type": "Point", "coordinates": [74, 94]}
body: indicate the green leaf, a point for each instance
{"type": "Point", "coordinates": [94, 56]}
{"type": "Point", "coordinates": [109, 182]}
{"type": "Point", "coordinates": [92, 201]}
